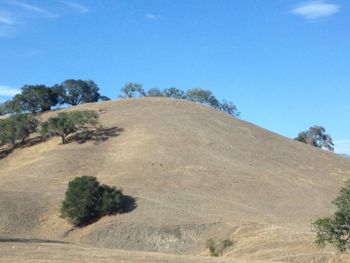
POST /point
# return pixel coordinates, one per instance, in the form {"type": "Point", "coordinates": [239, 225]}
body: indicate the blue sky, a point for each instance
{"type": "Point", "coordinates": [284, 63]}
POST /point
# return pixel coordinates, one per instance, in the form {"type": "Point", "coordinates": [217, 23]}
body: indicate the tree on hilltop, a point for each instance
{"type": "Point", "coordinates": [155, 92]}
{"type": "Point", "coordinates": [37, 98]}
{"type": "Point", "coordinates": [229, 108]}
{"type": "Point", "coordinates": [131, 90]}
{"type": "Point", "coordinates": [17, 127]}
{"type": "Point", "coordinates": [202, 96]}
{"type": "Point", "coordinates": [75, 92]}
{"type": "Point", "coordinates": [174, 93]}
{"type": "Point", "coordinates": [317, 137]}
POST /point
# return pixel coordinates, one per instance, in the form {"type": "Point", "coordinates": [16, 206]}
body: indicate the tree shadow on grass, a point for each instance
{"type": "Point", "coordinates": [30, 240]}
{"type": "Point", "coordinates": [4, 152]}
{"type": "Point", "coordinates": [98, 135]}
{"type": "Point", "coordinates": [128, 205]}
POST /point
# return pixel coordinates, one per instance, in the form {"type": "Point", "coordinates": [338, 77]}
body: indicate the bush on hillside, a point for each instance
{"type": "Point", "coordinates": [335, 230]}
{"type": "Point", "coordinates": [86, 201]}
{"type": "Point", "coordinates": [217, 249]}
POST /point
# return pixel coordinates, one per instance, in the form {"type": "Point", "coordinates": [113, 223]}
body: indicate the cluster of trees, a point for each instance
{"type": "Point", "coordinates": [335, 230]}
{"type": "Point", "coordinates": [66, 123]}
{"type": "Point", "coordinates": [17, 128]}
{"type": "Point", "coordinates": [86, 200]}
{"type": "Point", "coordinates": [316, 136]}
{"type": "Point", "coordinates": [198, 95]}
{"type": "Point", "coordinates": [40, 98]}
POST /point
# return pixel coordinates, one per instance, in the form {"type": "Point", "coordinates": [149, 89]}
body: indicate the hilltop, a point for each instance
{"type": "Point", "coordinates": [196, 174]}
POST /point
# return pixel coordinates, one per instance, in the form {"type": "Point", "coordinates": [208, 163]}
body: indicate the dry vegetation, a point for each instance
{"type": "Point", "coordinates": [196, 174]}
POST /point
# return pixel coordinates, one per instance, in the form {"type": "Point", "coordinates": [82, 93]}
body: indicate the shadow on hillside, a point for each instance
{"type": "Point", "coordinates": [29, 240]}
{"type": "Point", "coordinates": [129, 204]}
{"type": "Point", "coordinates": [5, 152]}
{"type": "Point", "coordinates": [99, 135]}
{"type": "Point", "coordinates": [27, 143]}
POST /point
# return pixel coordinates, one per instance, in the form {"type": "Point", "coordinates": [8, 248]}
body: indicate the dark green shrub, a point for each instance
{"type": "Point", "coordinates": [86, 201]}
{"type": "Point", "coordinates": [212, 248]}
{"type": "Point", "coordinates": [217, 249]}
{"type": "Point", "coordinates": [111, 200]}
{"type": "Point", "coordinates": [227, 243]}
{"type": "Point", "coordinates": [335, 230]}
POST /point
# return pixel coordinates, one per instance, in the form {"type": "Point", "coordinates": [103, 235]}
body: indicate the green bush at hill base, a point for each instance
{"type": "Point", "coordinates": [86, 201]}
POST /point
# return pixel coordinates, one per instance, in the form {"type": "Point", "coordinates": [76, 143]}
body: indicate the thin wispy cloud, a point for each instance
{"type": "Point", "coordinates": [314, 10]}
{"type": "Point", "coordinates": [32, 8]}
{"type": "Point", "coordinates": [19, 12]}
{"type": "Point", "coordinates": [77, 7]}
{"type": "Point", "coordinates": [7, 20]}
{"type": "Point", "coordinates": [152, 17]}
{"type": "Point", "coordinates": [7, 91]}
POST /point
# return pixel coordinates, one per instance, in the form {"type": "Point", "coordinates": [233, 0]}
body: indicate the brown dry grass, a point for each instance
{"type": "Point", "coordinates": [196, 173]}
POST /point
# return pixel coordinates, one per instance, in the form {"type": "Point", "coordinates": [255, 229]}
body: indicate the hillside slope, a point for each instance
{"type": "Point", "coordinates": [196, 174]}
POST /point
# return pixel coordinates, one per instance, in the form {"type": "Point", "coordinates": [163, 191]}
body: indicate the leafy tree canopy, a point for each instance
{"type": "Point", "coordinates": [75, 92]}
{"type": "Point", "coordinates": [66, 123]}
{"type": "Point", "coordinates": [11, 106]}
{"type": "Point", "coordinates": [37, 98]}
{"type": "Point", "coordinates": [335, 230]}
{"type": "Point", "coordinates": [229, 108]}
{"type": "Point", "coordinates": [155, 92]}
{"type": "Point", "coordinates": [317, 137]}
{"type": "Point", "coordinates": [174, 93]}
{"type": "Point", "coordinates": [198, 95]}
{"type": "Point", "coordinates": [202, 96]}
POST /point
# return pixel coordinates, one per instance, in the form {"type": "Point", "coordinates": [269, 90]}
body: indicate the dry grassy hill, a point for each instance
{"type": "Point", "coordinates": [196, 174]}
